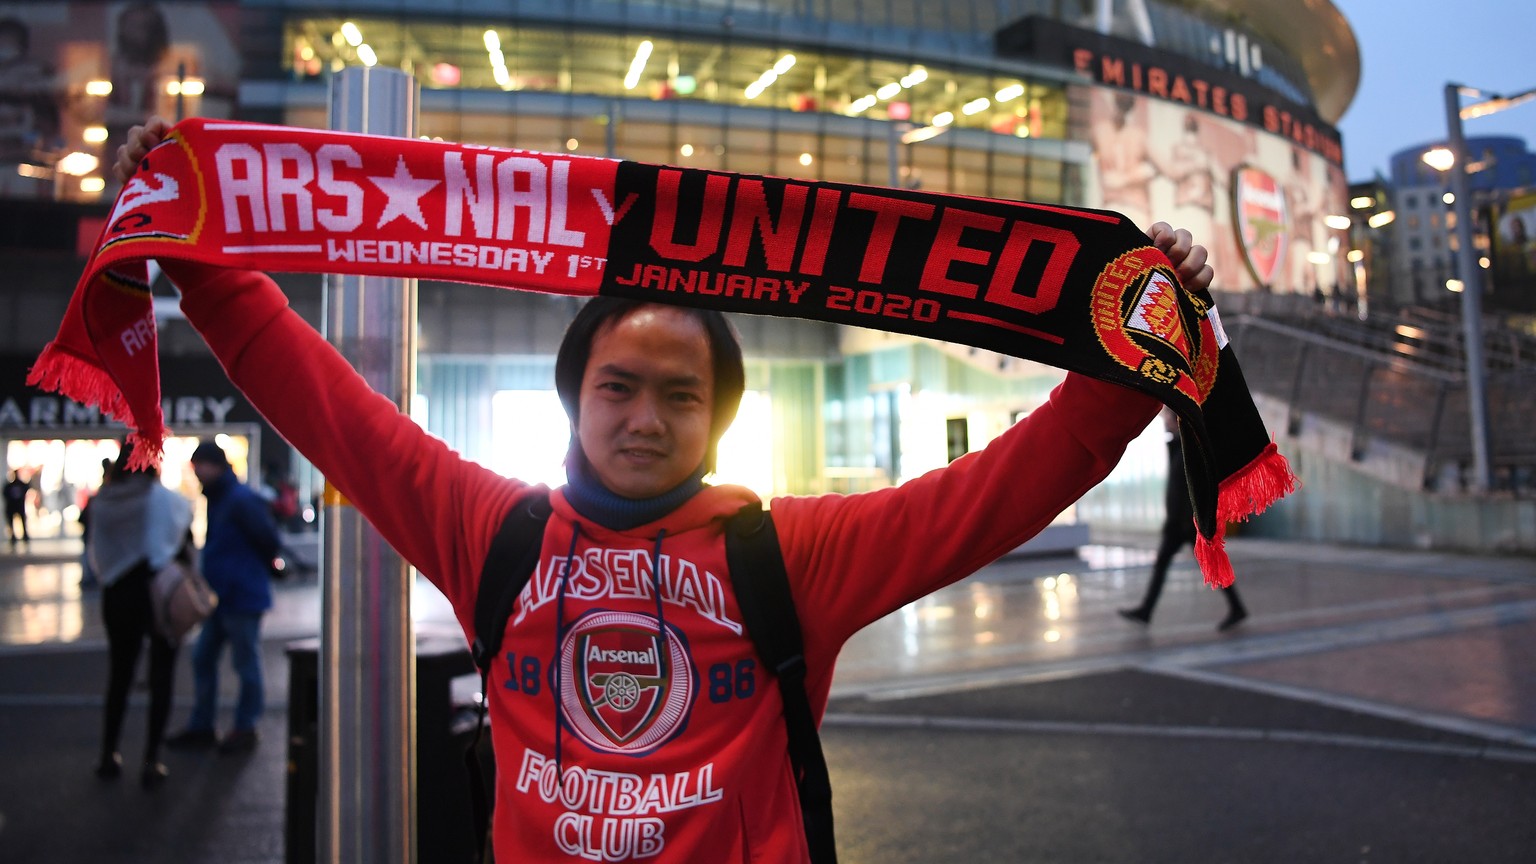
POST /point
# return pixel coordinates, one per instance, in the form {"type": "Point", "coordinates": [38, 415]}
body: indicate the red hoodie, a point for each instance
{"type": "Point", "coordinates": [666, 749]}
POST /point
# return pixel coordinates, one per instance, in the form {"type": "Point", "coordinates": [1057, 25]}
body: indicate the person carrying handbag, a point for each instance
{"type": "Point", "coordinates": [137, 527]}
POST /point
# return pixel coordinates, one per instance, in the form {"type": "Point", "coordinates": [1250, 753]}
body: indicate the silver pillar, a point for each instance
{"type": "Point", "coordinates": [1471, 276]}
{"type": "Point", "coordinates": [367, 776]}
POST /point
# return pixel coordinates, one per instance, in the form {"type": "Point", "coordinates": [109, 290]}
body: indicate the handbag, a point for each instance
{"type": "Point", "coordinates": [181, 599]}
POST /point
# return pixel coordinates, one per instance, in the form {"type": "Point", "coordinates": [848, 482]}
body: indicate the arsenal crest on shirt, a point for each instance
{"type": "Point", "coordinates": [626, 681]}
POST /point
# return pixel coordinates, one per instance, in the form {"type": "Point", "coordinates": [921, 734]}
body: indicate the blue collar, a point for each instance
{"type": "Point", "coordinates": [589, 497]}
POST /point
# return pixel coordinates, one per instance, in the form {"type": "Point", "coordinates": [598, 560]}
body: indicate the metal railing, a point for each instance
{"type": "Point", "coordinates": [1398, 378]}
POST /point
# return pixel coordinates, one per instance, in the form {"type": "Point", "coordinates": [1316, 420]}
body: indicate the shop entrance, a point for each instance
{"type": "Point", "coordinates": [65, 472]}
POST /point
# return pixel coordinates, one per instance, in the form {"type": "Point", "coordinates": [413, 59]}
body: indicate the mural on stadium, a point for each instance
{"type": "Point", "coordinates": [70, 70]}
{"type": "Point", "coordinates": [1257, 201]}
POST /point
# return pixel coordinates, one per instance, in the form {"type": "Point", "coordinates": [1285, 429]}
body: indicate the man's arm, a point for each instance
{"type": "Point", "coordinates": [856, 558]}
{"type": "Point", "coordinates": [436, 509]}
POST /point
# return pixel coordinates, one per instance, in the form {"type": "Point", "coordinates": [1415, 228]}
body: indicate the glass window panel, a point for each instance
{"type": "Point", "coordinates": [843, 160]}
{"type": "Point", "coordinates": [970, 173]}
{"type": "Point", "coordinates": [1008, 176]}
{"type": "Point", "coordinates": [929, 162]}
{"type": "Point", "coordinates": [700, 147]}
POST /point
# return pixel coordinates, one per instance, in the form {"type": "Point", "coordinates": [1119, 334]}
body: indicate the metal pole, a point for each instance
{"type": "Point", "coordinates": [367, 794]}
{"type": "Point", "coordinates": [1471, 295]}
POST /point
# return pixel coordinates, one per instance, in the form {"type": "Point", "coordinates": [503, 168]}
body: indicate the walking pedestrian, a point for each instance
{"type": "Point", "coordinates": [16, 491]}
{"type": "Point", "coordinates": [1178, 530]}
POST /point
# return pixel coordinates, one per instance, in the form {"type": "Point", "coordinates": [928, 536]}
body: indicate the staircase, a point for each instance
{"type": "Point", "coordinates": [1372, 413]}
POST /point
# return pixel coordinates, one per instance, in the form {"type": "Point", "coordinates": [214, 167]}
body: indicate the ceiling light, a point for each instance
{"type": "Point", "coordinates": [78, 164]}
{"type": "Point", "coordinates": [1011, 92]}
{"type": "Point", "coordinates": [637, 66]}
{"type": "Point", "coordinates": [912, 136]}
{"type": "Point", "coordinates": [976, 106]}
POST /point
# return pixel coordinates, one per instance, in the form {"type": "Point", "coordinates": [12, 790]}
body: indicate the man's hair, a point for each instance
{"type": "Point", "coordinates": [600, 312]}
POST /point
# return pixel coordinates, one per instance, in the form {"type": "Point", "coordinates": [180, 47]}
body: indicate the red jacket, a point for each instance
{"type": "Point", "coordinates": [671, 749]}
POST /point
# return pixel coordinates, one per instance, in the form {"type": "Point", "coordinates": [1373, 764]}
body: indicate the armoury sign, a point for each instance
{"type": "Point", "coordinates": [196, 396]}
{"type": "Point", "coordinates": [46, 413]}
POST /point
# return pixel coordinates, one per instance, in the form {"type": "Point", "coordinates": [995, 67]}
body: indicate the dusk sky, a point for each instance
{"type": "Point", "coordinates": [1409, 49]}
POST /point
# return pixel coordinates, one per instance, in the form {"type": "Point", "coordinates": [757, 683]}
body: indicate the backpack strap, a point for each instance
{"type": "Point", "coordinates": [509, 564]}
{"type": "Point", "coordinates": [756, 562]}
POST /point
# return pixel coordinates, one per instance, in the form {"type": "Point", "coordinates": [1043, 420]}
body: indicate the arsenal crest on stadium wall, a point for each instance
{"type": "Point", "coordinates": [1261, 222]}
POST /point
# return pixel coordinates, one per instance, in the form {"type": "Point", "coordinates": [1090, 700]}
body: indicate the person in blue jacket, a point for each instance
{"type": "Point", "coordinates": [237, 557]}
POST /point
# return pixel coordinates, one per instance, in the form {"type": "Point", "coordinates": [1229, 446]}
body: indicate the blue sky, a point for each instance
{"type": "Point", "coordinates": [1409, 49]}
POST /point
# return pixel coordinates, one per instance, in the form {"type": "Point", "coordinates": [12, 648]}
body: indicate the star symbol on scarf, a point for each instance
{"type": "Point", "coordinates": [404, 193]}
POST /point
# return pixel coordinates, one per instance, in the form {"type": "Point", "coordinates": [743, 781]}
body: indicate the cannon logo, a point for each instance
{"type": "Point", "coordinates": [1258, 202]}
{"type": "Point", "coordinates": [153, 204]}
{"type": "Point", "coordinates": [624, 687]}
{"type": "Point", "coordinates": [1139, 322]}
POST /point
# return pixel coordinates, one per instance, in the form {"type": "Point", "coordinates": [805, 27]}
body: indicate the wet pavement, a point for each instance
{"type": "Point", "coordinates": [1377, 706]}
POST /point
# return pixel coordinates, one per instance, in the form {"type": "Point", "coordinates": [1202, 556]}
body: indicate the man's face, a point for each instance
{"type": "Point", "coordinates": [207, 472]}
{"type": "Point", "coordinates": [646, 400]}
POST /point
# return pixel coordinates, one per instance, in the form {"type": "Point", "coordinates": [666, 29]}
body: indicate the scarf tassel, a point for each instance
{"type": "Point", "coordinates": [60, 370]}
{"type": "Point", "coordinates": [1245, 494]}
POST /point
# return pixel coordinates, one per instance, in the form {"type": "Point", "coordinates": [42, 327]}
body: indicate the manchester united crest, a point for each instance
{"type": "Point", "coordinates": [1142, 325]}
{"type": "Point", "coordinates": [627, 682]}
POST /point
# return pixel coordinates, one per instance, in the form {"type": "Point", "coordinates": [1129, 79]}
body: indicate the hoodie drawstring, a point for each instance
{"type": "Point", "coordinates": [559, 680]}
{"type": "Point", "coordinates": [663, 647]}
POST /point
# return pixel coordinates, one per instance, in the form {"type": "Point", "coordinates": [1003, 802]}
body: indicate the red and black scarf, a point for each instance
{"type": "Point", "coordinates": [1079, 289]}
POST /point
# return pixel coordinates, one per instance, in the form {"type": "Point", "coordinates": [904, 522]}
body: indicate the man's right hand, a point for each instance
{"type": "Point", "coordinates": [141, 140]}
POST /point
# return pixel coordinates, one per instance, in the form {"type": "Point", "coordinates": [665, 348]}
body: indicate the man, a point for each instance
{"type": "Point", "coordinates": [236, 560]}
{"type": "Point", "coordinates": [16, 490]}
{"type": "Point", "coordinates": [630, 716]}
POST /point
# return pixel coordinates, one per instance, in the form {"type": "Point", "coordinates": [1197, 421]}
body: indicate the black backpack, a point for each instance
{"type": "Point", "coordinates": [768, 612]}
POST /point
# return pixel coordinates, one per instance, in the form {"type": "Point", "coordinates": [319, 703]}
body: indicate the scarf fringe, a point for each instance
{"type": "Point", "coordinates": [1251, 490]}
{"type": "Point", "coordinates": [1245, 494]}
{"type": "Point", "coordinates": [1212, 557]}
{"type": "Point", "coordinates": [60, 370]}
